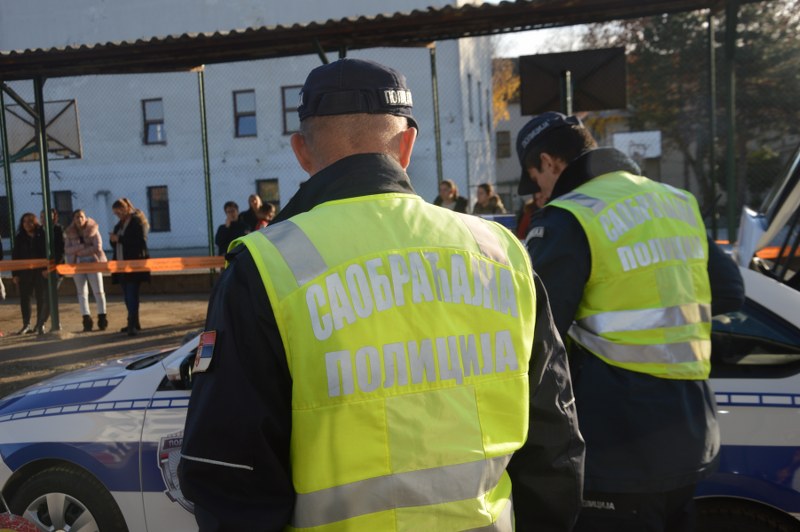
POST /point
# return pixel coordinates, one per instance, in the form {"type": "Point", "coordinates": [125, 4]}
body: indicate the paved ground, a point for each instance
{"type": "Point", "coordinates": [26, 359]}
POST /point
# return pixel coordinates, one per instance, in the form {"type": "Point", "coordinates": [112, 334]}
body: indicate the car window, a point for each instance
{"type": "Point", "coordinates": [781, 258]}
{"type": "Point", "coordinates": [754, 342]}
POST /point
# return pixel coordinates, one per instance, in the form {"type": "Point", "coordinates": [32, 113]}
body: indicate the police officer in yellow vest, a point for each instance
{"type": "Point", "coordinates": [633, 282]}
{"type": "Point", "coordinates": [374, 362]}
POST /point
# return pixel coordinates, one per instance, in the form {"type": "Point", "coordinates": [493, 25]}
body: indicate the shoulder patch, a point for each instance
{"type": "Point", "coordinates": [536, 232]}
{"type": "Point", "coordinates": [205, 351]}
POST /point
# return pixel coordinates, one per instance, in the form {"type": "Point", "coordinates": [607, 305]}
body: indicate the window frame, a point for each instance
{"type": "Point", "coordinates": [155, 221]}
{"type": "Point", "coordinates": [263, 184]}
{"type": "Point", "coordinates": [147, 122]}
{"type": "Point", "coordinates": [64, 215]}
{"type": "Point", "coordinates": [286, 109]}
{"type": "Point", "coordinates": [244, 114]}
{"type": "Point", "coordinates": [505, 153]}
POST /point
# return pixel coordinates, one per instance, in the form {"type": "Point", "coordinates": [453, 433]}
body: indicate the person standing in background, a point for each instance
{"type": "Point", "coordinates": [129, 239]}
{"type": "Point", "coordinates": [232, 229]}
{"type": "Point", "coordinates": [30, 243]}
{"type": "Point", "coordinates": [449, 199]}
{"type": "Point", "coordinates": [265, 215]}
{"type": "Point", "coordinates": [83, 243]}
{"type": "Point", "coordinates": [488, 202]}
{"type": "Point", "coordinates": [58, 243]}
{"type": "Point", "coordinates": [250, 216]}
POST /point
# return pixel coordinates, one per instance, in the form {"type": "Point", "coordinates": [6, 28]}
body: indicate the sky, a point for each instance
{"type": "Point", "coordinates": [542, 41]}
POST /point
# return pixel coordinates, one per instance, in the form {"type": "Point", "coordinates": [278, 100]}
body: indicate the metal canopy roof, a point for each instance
{"type": "Point", "coordinates": [416, 28]}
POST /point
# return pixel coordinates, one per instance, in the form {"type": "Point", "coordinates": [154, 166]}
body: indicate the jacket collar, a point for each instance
{"type": "Point", "coordinates": [591, 164]}
{"type": "Point", "coordinates": [356, 175]}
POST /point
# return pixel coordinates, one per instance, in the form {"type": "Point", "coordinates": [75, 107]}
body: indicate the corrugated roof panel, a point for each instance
{"type": "Point", "coordinates": [418, 27]}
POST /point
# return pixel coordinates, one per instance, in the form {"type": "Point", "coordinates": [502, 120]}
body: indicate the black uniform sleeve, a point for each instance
{"type": "Point", "coordinates": [235, 460]}
{"type": "Point", "coordinates": [727, 285]}
{"type": "Point", "coordinates": [560, 256]}
{"type": "Point", "coordinates": [547, 472]}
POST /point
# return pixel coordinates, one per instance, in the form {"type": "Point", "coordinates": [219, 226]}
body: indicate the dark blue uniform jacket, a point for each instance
{"type": "Point", "coordinates": [643, 434]}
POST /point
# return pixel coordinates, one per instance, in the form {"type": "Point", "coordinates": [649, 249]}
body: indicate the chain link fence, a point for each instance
{"type": "Point", "coordinates": [141, 136]}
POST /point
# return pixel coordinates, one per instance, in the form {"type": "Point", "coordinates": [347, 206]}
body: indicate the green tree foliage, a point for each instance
{"type": "Point", "coordinates": [668, 81]}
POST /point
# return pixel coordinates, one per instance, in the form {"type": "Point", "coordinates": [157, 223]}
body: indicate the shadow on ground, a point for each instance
{"type": "Point", "coordinates": [27, 359]}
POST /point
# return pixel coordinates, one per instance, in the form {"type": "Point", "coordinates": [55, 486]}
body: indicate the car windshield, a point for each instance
{"type": "Point", "coordinates": [777, 252]}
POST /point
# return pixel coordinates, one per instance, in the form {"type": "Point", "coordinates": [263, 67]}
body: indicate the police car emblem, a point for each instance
{"type": "Point", "coordinates": [169, 455]}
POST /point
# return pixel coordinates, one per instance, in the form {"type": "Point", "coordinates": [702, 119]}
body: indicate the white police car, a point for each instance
{"type": "Point", "coordinates": [98, 449]}
{"type": "Point", "coordinates": [756, 376]}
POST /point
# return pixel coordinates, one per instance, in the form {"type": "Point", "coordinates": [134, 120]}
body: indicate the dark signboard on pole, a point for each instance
{"type": "Point", "coordinates": [592, 80]}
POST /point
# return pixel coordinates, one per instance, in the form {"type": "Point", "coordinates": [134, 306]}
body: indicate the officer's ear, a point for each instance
{"type": "Point", "coordinates": [555, 165]}
{"type": "Point", "coordinates": [407, 139]}
{"type": "Point", "coordinates": [301, 152]}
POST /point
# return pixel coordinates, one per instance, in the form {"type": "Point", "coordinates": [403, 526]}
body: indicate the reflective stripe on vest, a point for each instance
{"type": "Point", "coordinates": [646, 306]}
{"type": "Point", "coordinates": [306, 263]}
{"type": "Point", "coordinates": [393, 312]}
{"type": "Point", "coordinates": [415, 488]}
{"type": "Point", "coordinates": [652, 318]}
{"type": "Point", "coordinates": [596, 205]}
{"type": "Point", "coordinates": [676, 353]}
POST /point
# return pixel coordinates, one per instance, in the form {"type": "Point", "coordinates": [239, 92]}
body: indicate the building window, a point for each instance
{"type": "Point", "coordinates": [153, 114]}
{"type": "Point", "coordinates": [503, 139]}
{"type": "Point", "coordinates": [291, 99]}
{"type": "Point", "coordinates": [269, 191]}
{"type": "Point", "coordinates": [158, 204]}
{"type": "Point", "coordinates": [62, 202]}
{"type": "Point", "coordinates": [480, 106]}
{"type": "Point", "coordinates": [244, 113]}
{"type": "Point", "coordinates": [469, 97]}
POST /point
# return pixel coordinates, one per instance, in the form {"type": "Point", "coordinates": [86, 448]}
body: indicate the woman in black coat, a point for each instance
{"type": "Point", "coordinates": [449, 199]}
{"type": "Point", "coordinates": [31, 244]}
{"type": "Point", "coordinates": [129, 241]}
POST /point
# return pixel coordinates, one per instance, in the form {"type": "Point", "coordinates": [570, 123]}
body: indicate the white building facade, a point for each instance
{"type": "Point", "coordinates": [140, 134]}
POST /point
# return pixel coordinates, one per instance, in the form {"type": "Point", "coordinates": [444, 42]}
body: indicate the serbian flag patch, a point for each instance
{"type": "Point", "coordinates": [205, 351]}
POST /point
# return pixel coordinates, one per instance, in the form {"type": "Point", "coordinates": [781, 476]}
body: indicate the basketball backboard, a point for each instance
{"type": "Point", "coordinates": [61, 125]}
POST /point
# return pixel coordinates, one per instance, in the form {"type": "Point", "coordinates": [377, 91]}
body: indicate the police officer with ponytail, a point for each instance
{"type": "Point", "coordinates": [633, 281]}
{"type": "Point", "coordinates": [371, 361]}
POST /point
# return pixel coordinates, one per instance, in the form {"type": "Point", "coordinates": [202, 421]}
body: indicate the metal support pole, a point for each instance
{"type": "Point", "coordinates": [731, 16]}
{"type": "Point", "coordinates": [7, 169]}
{"type": "Point", "coordinates": [41, 136]}
{"type": "Point", "coordinates": [566, 92]}
{"type": "Point", "coordinates": [712, 122]}
{"type": "Point", "coordinates": [320, 52]}
{"type": "Point", "coordinates": [437, 129]}
{"type": "Point", "coordinates": [201, 90]}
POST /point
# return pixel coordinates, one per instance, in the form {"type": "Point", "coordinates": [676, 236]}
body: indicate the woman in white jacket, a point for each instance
{"type": "Point", "coordinates": [83, 243]}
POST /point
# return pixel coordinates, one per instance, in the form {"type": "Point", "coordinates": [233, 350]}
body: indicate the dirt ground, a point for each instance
{"type": "Point", "coordinates": [26, 359]}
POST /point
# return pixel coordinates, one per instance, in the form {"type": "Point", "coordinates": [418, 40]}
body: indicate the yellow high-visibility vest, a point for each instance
{"type": "Point", "coordinates": [647, 304]}
{"type": "Point", "coordinates": [408, 331]}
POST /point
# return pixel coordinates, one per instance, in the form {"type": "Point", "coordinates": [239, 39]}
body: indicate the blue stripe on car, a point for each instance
{"type": "Point", "coordinates": [771, 400]}
{"type": "Point", "coordinates": [59, 395]}
{"type": "Point", "coordinates": [100, 406]}
{"type": "Point", "coordinates": [115, 464]}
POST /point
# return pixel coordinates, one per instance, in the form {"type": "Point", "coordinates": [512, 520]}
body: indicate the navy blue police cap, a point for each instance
{"type": "Point", "coordinates": [530, 135]}
{"type": "Point", "coordinates": [352, 86]}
